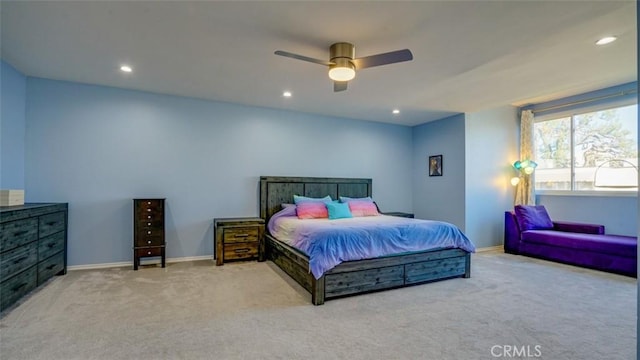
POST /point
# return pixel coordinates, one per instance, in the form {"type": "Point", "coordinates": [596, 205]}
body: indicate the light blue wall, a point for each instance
{"type": "Point", "coordinates": [491, 142]}
{"type": "Point", "coordinates": [619, 215]}
{"type": "Point", "coordinates": [99, 147]}
{"type": "Point", "coordinates": [12, 127]}
{"type": "Point", "coordinates": [440, 197]}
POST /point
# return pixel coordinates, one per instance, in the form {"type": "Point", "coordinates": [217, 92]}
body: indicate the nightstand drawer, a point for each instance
{"type": "Point", "coordinates": [241, 234]}
{"type": "Point", "coordinates": [237, 251]}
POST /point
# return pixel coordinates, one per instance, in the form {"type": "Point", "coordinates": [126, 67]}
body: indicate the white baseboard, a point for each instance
{"type": "Point", "coordinates": [490, 248]}
{"type": "Point", "coordinates": [192, 258]}
{"type": "Point", "coordinates": [142, 262]}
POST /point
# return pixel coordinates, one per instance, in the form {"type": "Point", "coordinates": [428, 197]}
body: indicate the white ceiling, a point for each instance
{"type": "Point", "coordinates": [468, 55]}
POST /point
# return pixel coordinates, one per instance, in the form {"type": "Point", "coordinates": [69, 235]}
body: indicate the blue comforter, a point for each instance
{"type": "Point", "coordinates": [330, 242]}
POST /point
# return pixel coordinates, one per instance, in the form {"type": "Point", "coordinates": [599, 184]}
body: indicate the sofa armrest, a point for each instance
{"type": "Point", "coordinates": [578, 227]}
{"type": "Point", "coordinates": [511, 233]}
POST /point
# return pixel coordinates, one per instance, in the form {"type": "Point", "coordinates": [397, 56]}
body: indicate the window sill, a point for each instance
{"type": "Point", "coordinates": [593, 193]}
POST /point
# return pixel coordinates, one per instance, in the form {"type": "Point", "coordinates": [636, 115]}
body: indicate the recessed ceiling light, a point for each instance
{"type": "Point", "coordinates": [606, 40]}
{"type": "Point", "coordinates": [286, 94]}
{"type": "Point", "coordinates": [126, 68]}
{"type": "Point", "coordinates": [396, 111]}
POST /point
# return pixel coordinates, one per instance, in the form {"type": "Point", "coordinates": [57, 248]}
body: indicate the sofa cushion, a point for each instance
{"type": "Point", "coordinates": [608, 244]}
{"type": "Point", "coordinates": [532, 217]}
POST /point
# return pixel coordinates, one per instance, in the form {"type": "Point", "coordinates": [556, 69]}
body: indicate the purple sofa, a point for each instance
{"type": "Point", "coordinates": [571, 243]}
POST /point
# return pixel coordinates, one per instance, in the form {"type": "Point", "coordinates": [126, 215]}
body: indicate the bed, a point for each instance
{"type": "Point", "coordinates": [358, 276]}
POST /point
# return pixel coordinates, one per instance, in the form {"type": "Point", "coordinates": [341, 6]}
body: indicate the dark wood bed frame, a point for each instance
{"type": "Point", "coordinates": [350, 277]}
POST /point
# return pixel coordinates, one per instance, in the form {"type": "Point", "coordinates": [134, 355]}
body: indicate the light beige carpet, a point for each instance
{"type": "Point", "coordinates": [254, 311]}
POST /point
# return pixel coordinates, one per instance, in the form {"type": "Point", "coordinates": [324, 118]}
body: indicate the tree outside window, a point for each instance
{"type": "Point", "coordinates": [601, 155]}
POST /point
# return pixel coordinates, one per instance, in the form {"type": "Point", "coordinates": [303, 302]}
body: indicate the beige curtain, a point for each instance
{"type": "Point", "coordinates": [525, 188]}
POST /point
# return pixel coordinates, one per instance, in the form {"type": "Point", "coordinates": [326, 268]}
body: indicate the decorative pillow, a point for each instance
{"type": "Point", "coordinates": [312, 210]}
{"type": "Point", "coordinates": [297, 199]}
{"type": "Point", "coordinates": [345, 199]}
{"type": "Point", "coordinates": [532, 217]}
{"type": "Point", "coordinates": [285, 205]}
{"type": "Point", "coordinates": [338, 210]}
{"type": "Point", "coordinates": [363, 208]}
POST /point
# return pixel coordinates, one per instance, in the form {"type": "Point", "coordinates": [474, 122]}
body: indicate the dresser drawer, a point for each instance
{"type": "Point", "coordinates": [50, 267]}
{"type": "Point", "coordinates": [237, 251]}
{"type": "Point", "coordinates": [149, 207]}
{"type": "Point", "coordinates": [18, 259]}
{"type": "Point", "coordinates": [143, 224]}
{"type": "Point", "coordinates": [14, 288]}
{"type": "Point", "coordinates": [17, 233]}
{"type": "Point", "coordinates": [151, 251]}
{"type": "Point", "coordinates": [51, 223]}
{"type": "Point", "coordinates": [50, 245]}
{"type": "Point", "coordinates": [143, 240]}
{"type": "Point", "coordinates": [241, 234]}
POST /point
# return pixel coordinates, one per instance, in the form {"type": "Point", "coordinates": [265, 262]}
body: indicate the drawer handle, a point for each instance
{"type": "Point", "coordinates": [51, 266]}
{"type": "Point", "coordinates": [148, 252]}
{"type": "Point", "coordinates": [19, 260]}
{"type": "Point", "coordinates": [17, 287]}
{"type": "Point", "coordinates": [51, 223]}
{"type": "Point", "coordinates": [241, 250]}
{"type": "Point", "coordinates": [18, 233]}
{"type": "Point", "coordinates": [241, 235]}
{"type": "Point", "coordinates": [50, 245]}
{"type": "Point", "coordinates": [149, 242]}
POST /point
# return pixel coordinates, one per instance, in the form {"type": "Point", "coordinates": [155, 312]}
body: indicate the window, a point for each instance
{"type": "Point", "coordinates": [589, 151]}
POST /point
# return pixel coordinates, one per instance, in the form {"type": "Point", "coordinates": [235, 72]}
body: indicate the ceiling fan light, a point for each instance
{"type": "Point", "coordinates": [343, 70]}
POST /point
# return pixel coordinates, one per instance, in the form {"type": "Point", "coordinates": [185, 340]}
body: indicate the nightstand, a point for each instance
{"type": "Point", "coordinates": [397, 213]}
{"type": "Point", "coordinates": [238, 239]}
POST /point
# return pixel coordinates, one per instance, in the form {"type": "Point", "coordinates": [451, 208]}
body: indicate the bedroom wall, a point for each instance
{"type": "Point", "coordinates": [440, 197]}
{"type": "Point", "coordinates": [98, 147]}
{"type": "Point", "coordinates": [491, 146]}
{"type": "Point", "coordinates": [12, 126]}
{"type": "Point", "coordinates": [619, 214]}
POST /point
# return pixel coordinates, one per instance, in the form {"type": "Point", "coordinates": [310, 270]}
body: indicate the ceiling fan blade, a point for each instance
{"type": "Point", "coordinates": [301, 57]}
{"type": "Point", "coordinates": [383, 59]}
{"type": "Point", "coordinates": [339, 86]}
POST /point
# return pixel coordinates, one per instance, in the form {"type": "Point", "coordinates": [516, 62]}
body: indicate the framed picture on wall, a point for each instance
{"type": "Point", "coordinates": [435, 165]}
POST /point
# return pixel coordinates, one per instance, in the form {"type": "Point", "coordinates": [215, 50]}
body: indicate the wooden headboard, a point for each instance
{"type": "Point", "coordinates": [276, 190]}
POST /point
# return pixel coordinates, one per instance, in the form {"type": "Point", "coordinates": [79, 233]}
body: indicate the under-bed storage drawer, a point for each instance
{"type": "Point", "coordinates": [340, 284]}
{"type": "Point", "coordinates": [435, 269]}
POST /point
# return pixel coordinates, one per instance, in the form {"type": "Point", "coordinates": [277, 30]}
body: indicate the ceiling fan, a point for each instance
{"type": "Point", "coordinates": [343, 64]}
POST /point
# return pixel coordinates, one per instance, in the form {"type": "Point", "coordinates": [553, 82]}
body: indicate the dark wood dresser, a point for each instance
{"type": "Point", "coordinates": [33, 247]}
{"type": "Point", "coordinates": [148, 230]}
{"type": "Point", "coordinates": [238, 239]}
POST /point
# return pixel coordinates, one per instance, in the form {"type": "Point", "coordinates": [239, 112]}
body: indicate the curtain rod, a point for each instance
{"type": "Point", "coordinates": [621, 93]}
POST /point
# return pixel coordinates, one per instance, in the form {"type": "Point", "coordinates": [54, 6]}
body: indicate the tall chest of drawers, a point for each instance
{"type": "Point", "coordinates": [148, 230]}
{"type": "Point", "coordinates": [33, 247]}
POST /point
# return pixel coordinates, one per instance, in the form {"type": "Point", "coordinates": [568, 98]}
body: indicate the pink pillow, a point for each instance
{"type": "Point", "coordinates": [363, 208]}
{"type": "Point", "coordinates": [312, 210]}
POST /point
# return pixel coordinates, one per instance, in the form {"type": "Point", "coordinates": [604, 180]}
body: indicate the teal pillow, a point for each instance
{"type": "Point", "coordinates": [338, 210]}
